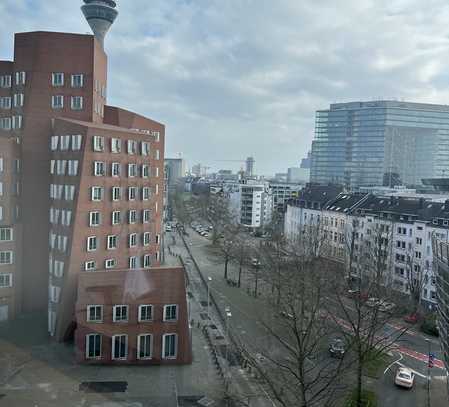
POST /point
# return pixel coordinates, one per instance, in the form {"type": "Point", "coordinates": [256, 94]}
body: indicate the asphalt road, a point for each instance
{"type": "Point", "coordinates": [247, 312]}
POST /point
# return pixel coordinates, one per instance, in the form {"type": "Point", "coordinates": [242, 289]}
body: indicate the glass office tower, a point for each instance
{"type": "Point", "coordinates": [380, 143]}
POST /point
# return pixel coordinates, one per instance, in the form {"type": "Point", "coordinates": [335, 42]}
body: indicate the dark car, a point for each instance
{"type": "Point", "coordinates": [337, 348]}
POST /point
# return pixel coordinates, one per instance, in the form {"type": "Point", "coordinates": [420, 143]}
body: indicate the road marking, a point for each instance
{"type": "Point", "coordinates": [401, 356]}
{"type": "Point", "coordinates": [414, 371]}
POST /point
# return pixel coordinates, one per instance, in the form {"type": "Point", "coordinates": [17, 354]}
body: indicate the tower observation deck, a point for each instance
{"type": "Point", "coordinates": [100, 14]}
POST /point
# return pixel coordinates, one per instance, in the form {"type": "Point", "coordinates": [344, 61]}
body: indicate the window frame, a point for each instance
{"type": "Point", "coordinates": [139, 315]}
{"type": "Point", "coordinates": [165, 313]}
{"type": "Point", "coordinates": [97, 321]}
{"type": "Point", "coordinates": [114, 316]}
{"type": "Point", "coordinates": [144, 335]}
{"type": "Point", "coordinates": [175, 356]}
{"type": "Point", "coordinates": [114, 338]}
{"type": "Point", "coordinates": [88, 347]}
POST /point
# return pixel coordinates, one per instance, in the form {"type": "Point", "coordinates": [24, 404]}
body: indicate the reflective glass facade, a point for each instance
{"type": "Point", "coordinates": [375, 143]}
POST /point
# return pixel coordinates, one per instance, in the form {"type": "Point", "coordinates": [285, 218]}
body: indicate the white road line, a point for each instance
{"type": "Point", "coordinates": [391, 364]}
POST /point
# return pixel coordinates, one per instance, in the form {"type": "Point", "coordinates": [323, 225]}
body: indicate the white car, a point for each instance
{"type": "Point", "coordinates": [404, 378]}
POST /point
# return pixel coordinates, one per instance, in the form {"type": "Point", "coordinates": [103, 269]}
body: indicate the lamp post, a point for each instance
{"type": "Point", "coordinates": [429, 365]}
{"type": "Point", "coordinates": [209, 279]}
{"type": "Point", "coordinates": [228, 315]}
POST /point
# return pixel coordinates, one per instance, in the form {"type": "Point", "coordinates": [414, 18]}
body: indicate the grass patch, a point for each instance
{"type": "Point", "coordinates": [369, 399]}
{"type": "Point", "coordinates": [376, 365]}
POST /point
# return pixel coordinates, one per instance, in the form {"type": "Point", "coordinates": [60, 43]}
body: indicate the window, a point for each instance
{"type": "Point", "coordinates": [132, 193]}
{"type": "Point", "coordinates": [157, 156]}
{"type": "Point", "coordinates": [170, 312]}
{"type": "Point", "coordinates": [20, 78]}
{"type": "Point", "coordinates": [92, 243]}
{"type": "Point", "coordinates": [145, 193]}
{"type": "Point", "coordinates": [5, 102]}
{"type": "Point", "coordinates": [73, 167]}
{"type": "Point", "coordinates": [94, 218]}
{"type": "Point", "coordinates": [57, 101]}
{"type": "Point", "coordinates": [65, 143]}
{"type": "Point", "coordinates": [112, 242]}
{"type": "Point", "coordinates": [6, 235]}
{"type": "Point", "coordinates": [76, 103]}
{"type": "Point", "coordinates": [6, 257]}
{"type": "Point", "coordinates": [5, 280]}
{"type": "Point", "coordinates": [418, 255]}
{"type": "Point", "coordinates": [144, 346]}
{"type": "Point", "coordinates": [97, 193]}
{"type": "Point", "coordinates": [109, 263]}
{"type": "Point", "coordinates": [5, 123]}
{"type": "Point", "coordinates": [145, 171]}
{"type": "Point", "coordinates": [146, 216]}
{"type": "Point", "coordinates": [115, 169]}
{"type": "Point", "coordinates": [76, 142]}
{"type": "Point", "coordinates": [116, 218]}
{"type": "Point", "coordinates": [156, 134]}
{"type": "Point", "coordinates": [93, 346]}
{"type": "Point", "coordinates": [19, 99]}
{"type": "Point", "coordinates": [145, 148]}
{"type": "Point", "coordinates": [132, 170]}
{"type": "Point", "coordinates": [133, 262]}
{"type": "Point", "coordinates": [57, 79]}
{"type": "Point", "coordinates": [116, 145]}
{"type": "Point", "coordinates": [16, 122]}
{"type": "Point", "coordinates": [77, 80]}
{"type": "Point", "coordinates": [89, 266]}
{"type": "Point", "coordinates": [119, 347]}
{"type": "Point", "coordinates": [98, 143]}
{"type": "Point", "coordinates": [158, 239]}
{"type": "Point", "coordinates": [146, 239]}
{"type": "Point", "coordinates": [5, 81]}
{"type": "Point", "coordinates": [120, 313]}
{"type": "Point", "coordinates": [132, 240]}
{"type": "Point", "coordinates": [418, 240]}
{"type": "Point", "coordinates": [145, 313]}
{"type": "Point", "coordinates": [147, 261]}
{"type": "Point", "coordinates": [116, 193]}
{"type": "Point", "coordinates": [169, 346]}
{"type": "Point", "coordinates": [132, 147]}
{"type": "Point", "coordinates": [94, 313]}
{"type": "Point", "coordinates": [99, 168]}
{"type": "Point", "coordinates": [132, 216]}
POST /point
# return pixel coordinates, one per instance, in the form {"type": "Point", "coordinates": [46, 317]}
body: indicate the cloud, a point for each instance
{"type": "Point", "coordinates": [244, 77]}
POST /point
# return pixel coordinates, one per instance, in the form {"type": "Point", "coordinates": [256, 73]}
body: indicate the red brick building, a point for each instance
{"type": "Point", "coordinates": [133, 317]}
{"type": "Point", "coordinates": [81, 182]}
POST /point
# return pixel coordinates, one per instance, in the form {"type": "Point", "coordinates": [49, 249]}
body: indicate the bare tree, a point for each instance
{"type": "Point", "coordinates": [368, 257]}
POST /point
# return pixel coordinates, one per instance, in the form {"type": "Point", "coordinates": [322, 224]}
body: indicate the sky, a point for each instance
{"type": "Point", "coordinates": [238, 78]}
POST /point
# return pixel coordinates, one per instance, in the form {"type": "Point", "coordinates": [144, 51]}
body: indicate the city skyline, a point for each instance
{"type": "Point", "coordinates": [279, 78]}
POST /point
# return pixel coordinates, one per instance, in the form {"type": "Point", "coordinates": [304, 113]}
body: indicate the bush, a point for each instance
{"type": "Point", "coordinates": [369, 399]}
{"type": "Point", "coordinates": [429, 325]}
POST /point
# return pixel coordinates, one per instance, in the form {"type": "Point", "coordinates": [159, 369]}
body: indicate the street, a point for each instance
{"type": "Point", "coordinates": [247, 313]}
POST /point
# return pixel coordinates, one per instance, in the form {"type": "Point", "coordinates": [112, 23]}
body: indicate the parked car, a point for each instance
{"type": "Point", "coordinates": [255, 261]}
{"type": "Point", "coordinates": [357, 294]}
{"type": "Point", "coordinates": [167, 228]}
{"type": "Point", "coordinates": [337, 348]}
{"type": "Point", "coordinates": [412, 318]}
{"type": "Point", "coordinates": [404, 378]}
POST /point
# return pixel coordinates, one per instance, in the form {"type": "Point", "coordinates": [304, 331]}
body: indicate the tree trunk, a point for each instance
{"type": "Point", "coordinates": [240, 275]}
{"type": "Point", "coordinates": [256, 282]}
{"type": "Point", "coordinates": [359, 379]}
{"type": "Point", "coordinates": [226, 268]}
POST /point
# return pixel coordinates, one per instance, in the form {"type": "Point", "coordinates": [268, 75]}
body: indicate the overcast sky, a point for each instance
{"type": "Point", "coordinates": [233, 78]}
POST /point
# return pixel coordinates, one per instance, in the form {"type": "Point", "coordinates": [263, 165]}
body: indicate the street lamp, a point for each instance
{"type": "Point", "coordinates": [209, 279]}
{"type": "Point", "coordinates": [429, 365]}
{"type": "Point", "coordinates": [228, 315]}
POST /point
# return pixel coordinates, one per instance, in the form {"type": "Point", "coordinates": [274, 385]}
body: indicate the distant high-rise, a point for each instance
{"type": "Point", "coordinates": [100, 14]}
{"type": "Point", "coordinates": [380, 143]}
{"type": "Point", "coordinates": [250, 166]}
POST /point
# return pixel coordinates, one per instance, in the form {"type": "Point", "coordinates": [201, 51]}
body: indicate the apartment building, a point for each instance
{"type": "Point", "coordinates": [81, 184]}
{"type": "Point", "coordinates": [354, 223]}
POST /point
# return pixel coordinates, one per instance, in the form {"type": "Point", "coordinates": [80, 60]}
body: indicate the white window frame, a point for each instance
{"type": "Point", "coordinates": [145, 171]}
{"type": "Point", "coordinates": [76, 103]}
{"type": "Point", "coordinates": [93, 193]}
{"type": "Point", "coordinates": [109, 242]}
{"type": "Point", "coordinates": [5, 102]}
{"type": "Point", "coordinates": [116, 169]}
{"type": "Point", "coordinates": [132, 170]}
{"type": "Point", "coordinates": [165, 313]}
{"type": "Point", "coordinates": [97, 321]}
{"type": "Point", "coordinates": [88, 243]}
{"type": "Point", "coordinates": [5, 81]}
{"type": "Point", "coordinates": [139, 315]}
{"type": "Point", "coordinates": [114, 338]}
{"type": "Point", "coordinates": [114, 316]}
{"type": "Point", "coordinates": [87, 346]}
{"type": "Point", "coordinates": [6, 231]}
{"type": "Point", "coordinates": [89, 265]}
{"type": "Point", "coordinates": [150, 336]}
{"type": "Point", "coordinates": [132, 240]}
{"type": "Point", "coordinates": [18, 99]}
{"type": "Point", "coordinates": [114, 220]}
{"type": "Point", "coordinates": [146, 239]}
{"type": "Point", "coordinates": [130, 220]}
{"type": "Point", "coordinates": [98, 143]}
{"type": "Point", "coordinates": [116, 145]}
{"type": "Point", "coordinates": [6, 257]}
{"type": "Point", "coordinates": [20, 78]}
{"type": "Point", "coordinates": [147, 261]}
{"type": "Point", "coordinates": [133, 262]}
{"type": "Point", "coordinates": [94, 216]}
{"type": "Point", "coordinates": [74, 80]}
{"type": "Point", "coordinates": [116, 193]}
{"type": "Point", "coordinates": [57, 79]}
{"type": "Point", "coordinates": [6, 280]}
{"type": "Point", "coordinates": [77, 140]}
{"type": "Point", "coordinates": [55, 99]}
{"type": "Point", "coordinates": [110, 264]}
{"type": "Point", "coordinates": [5, 123]}
{"type": "Point", "coordinates": [99, 168]}
{"type": "Point", "coordinates": [146, 216]}
{"type": "Point", "coordinates": [145, 193]}
{"type": "Point", "coordinates": [163, 346]}
{"type": "Point", "coordinates": [132, 193]}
